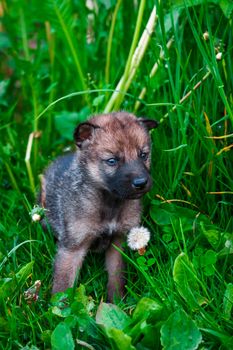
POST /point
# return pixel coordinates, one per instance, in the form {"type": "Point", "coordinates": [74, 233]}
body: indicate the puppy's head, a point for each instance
{"type": "Point", "coordinates": [115, 150]}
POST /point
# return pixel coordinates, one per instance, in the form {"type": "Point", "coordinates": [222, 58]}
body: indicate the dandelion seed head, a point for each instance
{"type": "Point", "coordinates": [138, 238]}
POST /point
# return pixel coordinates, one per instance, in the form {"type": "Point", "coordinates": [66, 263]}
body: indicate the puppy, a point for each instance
{"type": "Point", "coordinates": [92, 196]}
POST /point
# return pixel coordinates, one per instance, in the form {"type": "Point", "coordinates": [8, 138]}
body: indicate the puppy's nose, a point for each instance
{"type": "Point", "coordinates": [139, 182]}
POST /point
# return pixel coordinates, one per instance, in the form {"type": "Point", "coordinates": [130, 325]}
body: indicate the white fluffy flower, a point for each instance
{"type": "Point", "coordinates": [138, 238]}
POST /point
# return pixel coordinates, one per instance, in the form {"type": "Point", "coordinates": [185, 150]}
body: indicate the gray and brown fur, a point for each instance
{"type": "Point", "coordinates": [91, 203]}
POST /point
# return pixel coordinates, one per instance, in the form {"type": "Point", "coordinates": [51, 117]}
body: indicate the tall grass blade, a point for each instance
{"type": "Point", "coordinates": [63, 14]}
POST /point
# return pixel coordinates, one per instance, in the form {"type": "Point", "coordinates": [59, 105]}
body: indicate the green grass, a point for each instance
{"type": "Point", "coordinates": [51, 78]}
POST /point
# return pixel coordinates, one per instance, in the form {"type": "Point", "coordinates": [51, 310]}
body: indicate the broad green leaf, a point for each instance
{"type": "Point", "coordinates": [82, 308]}
{"type": "Point", "coordinates": [61, 312]}
{"type": "Point", "coordinates": [84, 303]}
{"type": "Point", "coordinates": [206, 262]}
{"type": "Point", "coordinates": [61, 338]}
{"type": "Point", "coordinates": [210, 257]}
{"type": "Point", "coordinates": [141, 260]}
{"type": "Point", "coordinates": [147, 312]}
{"type": "Point", "coordinates": [161, 216]}
{"type": "Point", "coordinates": [61, 299]}
{"type": "Point", "coordinates": [119, 339]}
{"type": "Point", "coordinates": [65, 122]}
{"type": "Point", "coordinates": [209, 270]}
{"type": "Point", "coordinates": [212, 235]}
{"type": "Point", "coordinates": [209, 260]}
{"type": "Point", "coordinates": [185, 278]}
{"type": "Point", "coordinates": [151, 261]}
{"type": "Point", "coordinates": [98, 100]}
{"type": "Point", "coordinates": [151, 337]}
{"type": "Point", "coordinates": [180, 332]}
{"type": "Point", "coordinates": [227, 7]}
{"type": "Point", "coordinates": [147, 308]}
{"type": "Point", "coordinates": [71, 321]}
{"type": "Point", "coordinates": [166, 214]}
{"type": "Point", "coordinates": [228, 301]}
{"type": "Point", "coordinates": [111, 316]}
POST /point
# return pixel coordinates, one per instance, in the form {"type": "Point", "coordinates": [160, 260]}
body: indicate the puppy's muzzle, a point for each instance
{"type": "Point", "coordinates": [139, 183]}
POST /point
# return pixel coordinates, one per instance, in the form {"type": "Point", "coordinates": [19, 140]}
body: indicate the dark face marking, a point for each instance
{"type": "Point", "coordinates": [129, 181]}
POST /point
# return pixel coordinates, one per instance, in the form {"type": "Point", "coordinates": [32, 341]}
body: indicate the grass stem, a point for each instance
{"type": "Point", "coordinates": [134, 57]}
{"type": "Point", "coordinates": [28, 163]}
{"type": "Point", "coordinates": [186, 96]}
{"type": "Point", "coordinates": [11, 176]}
{"type": "Point", "coordinates": [110, 38]}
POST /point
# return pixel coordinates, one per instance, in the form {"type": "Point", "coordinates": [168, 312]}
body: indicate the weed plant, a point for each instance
{"type": "Point", "coordinates": [62, 61]}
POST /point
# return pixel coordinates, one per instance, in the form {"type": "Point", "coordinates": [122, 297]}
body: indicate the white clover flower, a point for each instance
{"type": "Point", "coordinates": [37, 213]}
{"type": "Point", "coordinates": [138, 238]}
{"type": "Point", "coordinates": [36, 217]}
{"type": "Point", "coordinates": [219, 56]}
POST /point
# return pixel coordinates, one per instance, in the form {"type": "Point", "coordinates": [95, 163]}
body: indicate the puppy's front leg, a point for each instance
{"type": "Point", "coordinates": [67, 264]}
{"type": "Point", "coordinates": [115, 266]}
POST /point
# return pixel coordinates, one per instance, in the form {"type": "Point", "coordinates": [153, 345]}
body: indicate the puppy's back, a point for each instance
{"type": "Point", "coordinates": [56, 185]}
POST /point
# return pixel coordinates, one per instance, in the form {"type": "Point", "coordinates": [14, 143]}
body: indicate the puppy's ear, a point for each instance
{"type": "Point", "coordinates": [148, 123]}
{"type": "Point", "coordinates": [84, 132]}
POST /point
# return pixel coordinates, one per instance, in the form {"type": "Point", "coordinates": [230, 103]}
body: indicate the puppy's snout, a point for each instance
{"type": "Point", "coordinates": [139, 182]}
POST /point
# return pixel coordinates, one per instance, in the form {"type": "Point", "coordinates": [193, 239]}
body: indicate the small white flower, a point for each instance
{"type": "Point", "coordinates": [138, 238]}
{"type": "Point", "coordinates": [36, 217]}
{"type": "Point", "coordinates": [206, 36]}
{"type": "Point", "coordinates": [219, 56]}
{"type": "Point", "coordinates": [37, 213]}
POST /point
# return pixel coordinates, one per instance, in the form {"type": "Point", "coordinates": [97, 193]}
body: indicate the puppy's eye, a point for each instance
{"type": "Point", "coordinates": [143, 155]}
{"type": "Point", "coordinates": [112, 161]}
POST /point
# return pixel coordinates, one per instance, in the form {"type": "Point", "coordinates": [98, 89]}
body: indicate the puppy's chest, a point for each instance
{"type": "Point", "coordinates": [110, 218]}
{"type": "Point", "coordinates": [119, 218]}
{"type": "Point", "coordinates": [111, 226]}
{"type": "Point", "coordinates": [105, 236]}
